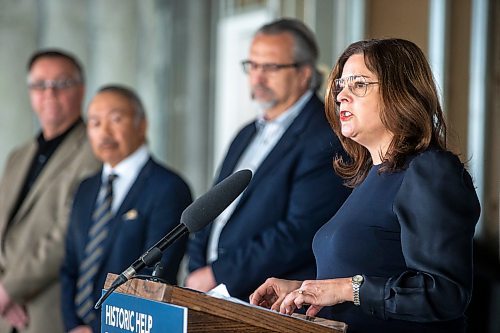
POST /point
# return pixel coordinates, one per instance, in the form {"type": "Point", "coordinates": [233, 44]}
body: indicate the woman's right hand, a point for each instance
{"type": "Point", "coordinates": [272, 292]}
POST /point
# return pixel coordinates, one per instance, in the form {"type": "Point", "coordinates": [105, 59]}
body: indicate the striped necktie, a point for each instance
{"type": "Point", "coordinates": [98, 233]}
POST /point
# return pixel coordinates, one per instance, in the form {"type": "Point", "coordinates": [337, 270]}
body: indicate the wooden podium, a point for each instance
{"type": "Point", "coordinates": [209, 314]}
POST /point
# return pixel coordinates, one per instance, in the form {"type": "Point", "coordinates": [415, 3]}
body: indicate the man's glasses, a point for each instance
{"type": "Point", "coordinates": [250, 66]}
{"type": "Point", "coordinates": [53, 84]}
{"type": "Point", "coordinates": [357, 85]}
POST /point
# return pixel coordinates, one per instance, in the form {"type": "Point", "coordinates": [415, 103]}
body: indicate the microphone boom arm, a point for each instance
{"type": "Point", "coordinates": [148, 259]}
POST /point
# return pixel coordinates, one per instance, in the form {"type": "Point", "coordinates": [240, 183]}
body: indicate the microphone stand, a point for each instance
{"type": "Point", "coordinates": [148, 259]}
{"type": "Point", "coordinates": [157, 274]}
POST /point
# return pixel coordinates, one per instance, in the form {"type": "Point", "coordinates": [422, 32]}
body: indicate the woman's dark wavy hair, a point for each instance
{"type": "Point", "coordinates": [410, 107]}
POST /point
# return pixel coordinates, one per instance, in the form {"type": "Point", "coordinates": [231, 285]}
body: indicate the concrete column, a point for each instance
{"type": "Point", "coordinates": [112, 43]}
{"type": "Point", "coordinates": [63, 24]}
{"type": "Point", "coordinates": [188, 111]}
{"type": "Point", "coordinates": [18, 26]}
{"type": "Point", "coordinates": [153, 72]}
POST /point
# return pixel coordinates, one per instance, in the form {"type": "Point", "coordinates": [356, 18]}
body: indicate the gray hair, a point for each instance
{"type": "Point", "coordinates": [306, 49]}
{"type": "Point", "coordinates": [58, 53]}
{"type": "Point", "coordinates": [130, 94]}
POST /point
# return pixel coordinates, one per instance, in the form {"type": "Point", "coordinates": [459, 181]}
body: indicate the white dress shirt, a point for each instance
{"type": "Point", "coordinates": [127, 172]}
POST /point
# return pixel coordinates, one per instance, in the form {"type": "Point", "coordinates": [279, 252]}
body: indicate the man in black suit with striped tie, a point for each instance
{"type": "Point", "coordinates": [120, 212]}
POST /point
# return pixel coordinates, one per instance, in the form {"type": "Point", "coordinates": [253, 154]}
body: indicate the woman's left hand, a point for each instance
{"type": "Point", "coordinates": [317, 294]}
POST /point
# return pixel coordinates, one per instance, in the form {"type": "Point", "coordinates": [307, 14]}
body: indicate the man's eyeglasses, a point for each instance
{"type": "Point", "coordinates": [250, 66]}
{"type": "Point", "coordinates": [53, 84]}
{"type": "Point", "coordinates": [357, 85]}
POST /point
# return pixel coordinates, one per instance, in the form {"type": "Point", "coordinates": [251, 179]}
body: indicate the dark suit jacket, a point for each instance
{"type": "Point", "coordinates": [291, 195]}
{"type": "Point", "coordinates": [158, 196]}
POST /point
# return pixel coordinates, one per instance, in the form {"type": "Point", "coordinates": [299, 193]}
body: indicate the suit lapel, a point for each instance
{"type": "Point", "coordinates": [129, 202]}
{"type": "Point", "coordinates": [14, 178]}
{"type": "Point", "coordinates": [135, 191]}
{"type": "Point", "coordinates": [89, 200]}
{"type": "Point", "coordinates": [236, 150]}
{"type": "Point", "coordinates": [284, 146]}
{"type": "Point", "coordinates": [17, 177]}
{"type": "Point", "coordinates": [56, 164]}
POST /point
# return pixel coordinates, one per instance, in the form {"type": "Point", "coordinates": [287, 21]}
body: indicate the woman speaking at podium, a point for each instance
{"type": "Point", "coordinates": [397, 256]}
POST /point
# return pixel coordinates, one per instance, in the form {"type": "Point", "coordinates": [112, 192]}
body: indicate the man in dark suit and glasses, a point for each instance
{"type": "Point", "coordinates": [120, 212]}
{"type": "Point", "coordinates": [290, 147]}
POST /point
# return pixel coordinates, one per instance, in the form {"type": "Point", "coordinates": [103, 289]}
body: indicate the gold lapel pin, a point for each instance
{"type": "Point", "coordinates": [130, 215]}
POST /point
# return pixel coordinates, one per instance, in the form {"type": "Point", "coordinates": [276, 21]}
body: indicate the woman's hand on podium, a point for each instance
{"type": "Point", "coordinates": [317, 294]}
{"type": "Point", "coordinates": [272, 293]}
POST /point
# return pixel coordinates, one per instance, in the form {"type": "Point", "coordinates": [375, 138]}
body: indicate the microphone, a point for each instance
{"type": "Point", "coordinates": [196, 216]}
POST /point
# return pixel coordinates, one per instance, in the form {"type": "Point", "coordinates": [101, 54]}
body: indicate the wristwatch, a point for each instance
{"type": "Point", "coordinates": [357, 281]}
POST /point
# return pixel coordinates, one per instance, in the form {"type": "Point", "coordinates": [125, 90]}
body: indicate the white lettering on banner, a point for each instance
{"type": "Point", "coordinates": [143, 323]}
{"type": "Point", "coordinates": [108, 315]}
{"type": "Point", "coordinates": [124, 319]}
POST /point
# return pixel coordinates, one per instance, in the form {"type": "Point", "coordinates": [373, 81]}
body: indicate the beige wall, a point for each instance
{"type": "Point", "coordinates": [458, 98]}
{"type": "Point", "coordinates": [409, 19]}
{"type": "Point", "coordinates": [491, 209]}
{"type": "Point", "coordinates": [406, 19]}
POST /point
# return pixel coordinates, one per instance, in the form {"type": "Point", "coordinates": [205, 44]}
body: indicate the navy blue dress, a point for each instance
{"type": "Point", "coordinates": [409, 233]}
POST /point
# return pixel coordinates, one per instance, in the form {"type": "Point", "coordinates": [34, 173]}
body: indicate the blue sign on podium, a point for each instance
{"type": "Point", "coordinates": [122, 313]}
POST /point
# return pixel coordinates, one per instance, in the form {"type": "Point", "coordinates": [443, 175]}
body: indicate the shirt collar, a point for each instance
{"type": "Point", "coordinates": [131, 165]}
{"type": "Point", "coordinates": [287, 117]}
{"type": "Point", "coordinates": [42, 141]}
